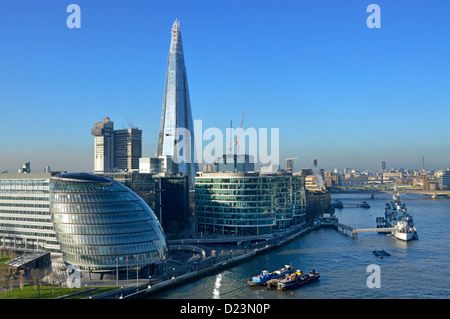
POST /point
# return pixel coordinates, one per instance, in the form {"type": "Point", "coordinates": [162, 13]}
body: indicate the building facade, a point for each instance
{"type": "Point", "coordinates": [25, 218]}
{"type": "Point", "coordinates": [98, 221]}
{"type": "Point", "coordinates": [166, 194]}
{"type": "Point", "coordinates": [103, 133]}
{"type": "Point", "coordinates": [443, 180]}
{"type": "Point", "coordinates": [248, 203]}
{"type": "Point", "coordinates": [234, 163]}
{"type": "Point", "coordinates": [176, 114]}
{"type": "Point", "coordinates": [116, 149]}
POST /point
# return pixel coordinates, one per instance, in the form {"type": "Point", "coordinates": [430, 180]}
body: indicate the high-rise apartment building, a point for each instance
{"type": "Point", "coordinates": [127, 149]}
{"type": "Point", "coordinates": [116, 149]}
{"type": "Point", "coordinates": [176, 112]}
{"type": "Point", "coordinates": [103, 132]}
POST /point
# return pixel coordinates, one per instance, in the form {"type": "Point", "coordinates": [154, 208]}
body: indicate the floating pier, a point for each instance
{"type": "Point", "coordinates": [333, 222]}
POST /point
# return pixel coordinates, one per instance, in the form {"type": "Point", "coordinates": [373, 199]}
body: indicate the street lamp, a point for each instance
{"type": "Point", "coordinates": [150, 282]}
{"type": "Point", "coordinates": [173, 270]}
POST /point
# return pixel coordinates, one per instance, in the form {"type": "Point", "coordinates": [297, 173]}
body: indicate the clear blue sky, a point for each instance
{"type": "Point", "coordinates": [340, 92]}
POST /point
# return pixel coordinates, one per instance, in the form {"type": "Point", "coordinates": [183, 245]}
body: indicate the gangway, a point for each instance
{"type": "Point", "coordinates": [356, 231]}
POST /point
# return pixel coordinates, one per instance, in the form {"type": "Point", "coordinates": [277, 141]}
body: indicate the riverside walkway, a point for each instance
{"type": "Point", "coordinates": [218, 260]}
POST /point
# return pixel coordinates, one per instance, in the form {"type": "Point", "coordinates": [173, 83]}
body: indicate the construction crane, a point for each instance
{"type": "Point", "coordinates": [236, 141]}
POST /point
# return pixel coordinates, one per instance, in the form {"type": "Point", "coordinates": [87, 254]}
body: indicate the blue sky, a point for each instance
{"type": "Point", "coordinates": [338, 91]}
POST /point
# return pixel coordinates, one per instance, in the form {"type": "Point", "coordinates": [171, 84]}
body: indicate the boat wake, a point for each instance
{"type": "Point", "coordinates": [217, 284]}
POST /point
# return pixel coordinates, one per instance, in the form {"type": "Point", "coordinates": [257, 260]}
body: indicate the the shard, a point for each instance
{"type": "Point", "coordinates": [176, 112]}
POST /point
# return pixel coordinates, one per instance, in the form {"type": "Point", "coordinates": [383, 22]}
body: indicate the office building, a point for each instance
{"type": "Point", "coordinates": [99, 222]}
{"type": "Point", "coordinates": [443, 180]}
{"type": "Point", "coordinates": [103, 132]}
{"type": "Point", "coordinates": [116, 150]}
{"type": "Point", "coordinates": [176, 112]}
{"type": "Point", "coordinates": [166, 194]}
{"type": "Point", "coordinates": [25, 218]}
{"type": "Point", "coordinates": [248, 203]}
{"type": "Point", "coordinates": [127, 149]}
{"type": "Point", "coordinates": [382, 166]}
{"type": "Point", "coordinates": [156, 165]}
{"type": "Point", "coordinates": [289, 166]}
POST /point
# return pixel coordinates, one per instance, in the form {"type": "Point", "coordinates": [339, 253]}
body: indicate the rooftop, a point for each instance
{"type": "Point", "coordinates": [85, 177]}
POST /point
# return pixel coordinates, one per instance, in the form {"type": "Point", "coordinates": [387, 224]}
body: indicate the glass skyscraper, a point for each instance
{"type": "Point", "coordinates": [176, 112]}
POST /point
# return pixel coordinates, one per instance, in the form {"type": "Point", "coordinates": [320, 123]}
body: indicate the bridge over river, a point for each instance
{"type": "Point", "coordinates": [374, 191]}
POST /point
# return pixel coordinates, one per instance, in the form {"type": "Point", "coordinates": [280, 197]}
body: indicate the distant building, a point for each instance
{"type": "Point", "coordinates": [157, 165]}
{"type": "Point", "coordinates": [443, 181]}
{"type": "Point", "coordinates": [234, 163]}
{"type": "Point", "coordinates": [127, 149]}
{"type": "Point", "coordinates": [248, 203]}
{"type": "Point", "coordinates": [392, 176]}
{"type": "Point", "coordinates": [103, 132]}
{"type": "Point", "coordinates": [25, 169]}
{"type": "Point", "coordinates": [382, 166]}
{"type": "Point", "coordinates": [116, 149]}
{"type": "Point", "coordinates": [289, 166]}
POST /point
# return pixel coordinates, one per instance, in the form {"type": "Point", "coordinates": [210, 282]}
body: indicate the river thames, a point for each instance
{"type": "Point", "coordinates": [416, 269]}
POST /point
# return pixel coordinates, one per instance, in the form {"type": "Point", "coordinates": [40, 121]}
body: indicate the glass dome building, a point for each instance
{"type": "Point", "coordinates": [101, 224]}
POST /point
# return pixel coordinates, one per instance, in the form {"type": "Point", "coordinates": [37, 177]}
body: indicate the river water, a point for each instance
{"type": "Point", "coordinates": [416, 269]}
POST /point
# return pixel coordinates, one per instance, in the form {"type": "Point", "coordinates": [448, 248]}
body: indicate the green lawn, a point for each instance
{"type": "Point", "coordinates": [46, 292]}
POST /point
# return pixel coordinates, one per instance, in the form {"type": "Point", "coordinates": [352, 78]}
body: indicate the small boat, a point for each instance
{"type": "Point", "coordinates": [364, 204]}
{"type": "Point", "coordinates": [380, 253]}
{"type": "Point", "coordinates": [297, 280]}
{"type": "Point", "coordinates": [265, 276]}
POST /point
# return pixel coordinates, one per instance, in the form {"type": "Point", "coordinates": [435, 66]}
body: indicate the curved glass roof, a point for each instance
{"type": "Point", "coordinates": [83, 177]}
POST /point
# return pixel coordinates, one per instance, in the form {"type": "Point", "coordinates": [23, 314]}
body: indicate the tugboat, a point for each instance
{"type": "Point", "coordinates": [297, 280]}
{"type": "Point", "coordinates": [265, 276]}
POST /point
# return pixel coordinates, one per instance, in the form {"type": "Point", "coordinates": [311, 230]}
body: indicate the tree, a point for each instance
{"type": "Point", "coordinates": [37, 278]}
{"type": "Point", "coordinates": [5, 278]}
{"type": "Point", "coordinates": [21, 279]}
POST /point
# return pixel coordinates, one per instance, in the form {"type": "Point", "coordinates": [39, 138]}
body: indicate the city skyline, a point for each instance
{"type": "Point", "coordinates": [340, 92]}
